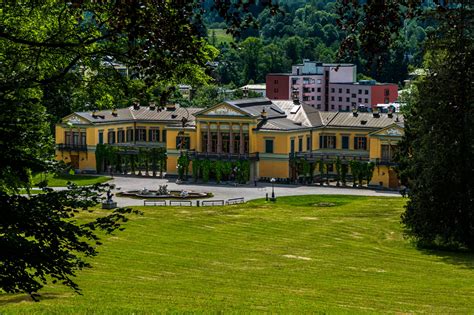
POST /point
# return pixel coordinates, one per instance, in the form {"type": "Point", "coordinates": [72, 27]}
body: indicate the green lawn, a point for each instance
{"type": "Point", "coordinates": [294, 256]}
{"type": "Point", "coordinates": [63, 179]}
{"type": "Point", "coordinates": [221, 36]}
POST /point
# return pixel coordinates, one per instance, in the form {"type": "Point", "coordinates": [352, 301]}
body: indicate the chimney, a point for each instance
{"type": "Point", "coordinates": [114, 112]}
{"type": "Point", "coordinates": [375, 112]}
{"type": "Point", "coordinates": [295, 95]}
{"type": "Point", "coordinates": [170, 107]}
{"type": "Point", "coordinates": [152, 105]}
{"type": "Point", "coordinates": [390, 113]}
{"type": "Point", "coordinates": [354, 112]}
{"type": "Point", "coordinates": [136, 105]}
{"type": "Point", "coordinates": [245, 91]}
{"type": "Point", "coordinates": [263, 114]}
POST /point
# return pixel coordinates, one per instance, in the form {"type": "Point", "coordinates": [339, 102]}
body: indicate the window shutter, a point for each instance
{"type": "Point", "coordinates": [355, 143]}
{"type": "Point", "coordinates": [321, 142]}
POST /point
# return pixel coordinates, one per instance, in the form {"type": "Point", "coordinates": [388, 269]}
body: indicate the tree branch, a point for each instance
{"type": "Point", "coordinates": [51, 44]}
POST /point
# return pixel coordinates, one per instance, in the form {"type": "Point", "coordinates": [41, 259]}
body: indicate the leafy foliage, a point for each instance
{"type": "Point", "coordinates": [42, 240]}
{"type": "Point", "coordinates": [436, 155]}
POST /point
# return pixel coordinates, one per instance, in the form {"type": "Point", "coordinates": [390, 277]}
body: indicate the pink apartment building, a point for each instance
{"type": "Point", "coordinates": [329, 87]}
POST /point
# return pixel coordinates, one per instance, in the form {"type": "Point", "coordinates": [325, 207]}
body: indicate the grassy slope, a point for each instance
{"type": "Point", "coordinates": [233, 259]}
{"type": "Point", "coordinates": [63, 179]}
{"type": "Point", "coordinates": [221, 36]}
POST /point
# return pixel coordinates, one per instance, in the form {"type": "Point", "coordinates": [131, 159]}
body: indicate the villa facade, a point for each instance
{"type": "Point", "coordinates": [268, 134]}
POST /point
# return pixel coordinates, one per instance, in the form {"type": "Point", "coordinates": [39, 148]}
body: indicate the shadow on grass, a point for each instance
{"type": "Point", "coordinates": [463, 259]}
{"type": "Point", "coordinates": [20, 298]}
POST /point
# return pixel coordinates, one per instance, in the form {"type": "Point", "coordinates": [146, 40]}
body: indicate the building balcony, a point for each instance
{"type": "Point", "coordinates": [140, 144]}
{"type": "Point", "coordinates": [194, 155]}
{"type": "Point", "coordinates": [71, 147]}
{"type": "Point", "coordinates": [332, 156]}
{"type": "Point", "coordinates": [384, 162]}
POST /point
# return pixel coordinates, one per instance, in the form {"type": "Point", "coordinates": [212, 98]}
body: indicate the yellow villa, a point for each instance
{"type": "Point", "coordinates": [269, 135]}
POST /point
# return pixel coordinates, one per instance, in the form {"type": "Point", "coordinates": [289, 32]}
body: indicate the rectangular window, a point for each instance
{"type": "Point", "coordinates": [332, 106]}
{"type": "Point", "coordinates": [360, 100]}
{"type": "Point", "coordinates": [366, 100]}
{"type": "Point", "coordinates": [327, 142]}
{"type": "Point", "coordinates": [75, 137]}
{"type": "Point", "coordinates": [319, 82]}
{"type": "Point", "coordinates": [340, 90]}
{"type": "Point", "coordinates": [120, 136]}
{"type": "Point", "coordinates": [348, 91]}
{"type": "Point", "coordinates": [111, 137]}
{"type": "Point", "coordinates": [319, 89]}
{"type": "Point", "coordinates": [275, 90]}
{"type": "Point", "coordinates": [312, 98]}
{"type": "Point", "coordinates": [292, 145]}
{"type": "Point", "coordinates": [354, 96]}
{"type": "Point", "coordinates": [268, 145]}
{"type": "Point", "coordinates": [360, 143]}
{"type": "Point", "coordinates": [163, 136]}
{"type": "Point", "coordinates": [332, 90]}
{"type": "Point", "coordinates": [332, 98]}
{"type": "Point", "coordinates": [345, 142]}
{"type": "Point", "coordinates": [348, 99]}
{"type": "Point", "coordinates": [140, 134]}
{"type": "Point", "coordinates": [293, 81]}
{"type": "Point", "coordinates": [276, 81]}
{"type": "Point", "coordinates": [318, 106]}
{"type": "Point", "coordinates": [319, 97]}
{"type": "Point", "coordinates": [366, 92]}
{"type": "Point", "coordinates": [154, 135]}
{"type": "Point", "coordinates": [67, 137]}
{"type": "Point", "coordinates": [129, 135]}
{"type": "Point", "coordinates": [388, 152]}
{"type": "Point", "coordinates": [300, 144]}
{"type": "Point", "coordinates": [308, 143]}
{"type": "Point", "coordinates": [340, 99]}
{"type": "Point", "coordinates": [101, 137]}
{"type": "Point", "coordinates": [360, 91]}
{"type": "Point", "coordinates": [387, 92]}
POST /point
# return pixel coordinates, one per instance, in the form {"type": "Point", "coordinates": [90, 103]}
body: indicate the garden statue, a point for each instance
{"type": "Point", "coordinates": [163, 190]}
{"type": "Point", "coordinates": [109, 203]}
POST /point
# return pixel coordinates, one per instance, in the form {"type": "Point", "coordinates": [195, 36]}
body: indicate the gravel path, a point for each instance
{"type": "Point", "coordinates": [226, 191]}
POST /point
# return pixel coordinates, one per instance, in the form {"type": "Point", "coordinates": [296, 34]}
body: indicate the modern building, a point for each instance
{"type": "Point", "coordinates": [270, 135]}
{"type": "Point", "coordinates": [259, 88]}
{"type": "Point", "coordinates": [329, 87]}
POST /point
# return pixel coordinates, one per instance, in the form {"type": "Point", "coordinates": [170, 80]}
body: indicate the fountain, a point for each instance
{"type": "Point", "coordinates": [163, 193]}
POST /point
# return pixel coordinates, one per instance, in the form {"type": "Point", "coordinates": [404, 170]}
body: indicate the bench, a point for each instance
{"type": "Point", "coordinates": [234, 201]}
{"type": "Point", "coordinates": [181, 203]}
{"type": "Point", "coordinates": [154, 203]}
{"type": "Point", "coordinates": [212, 203]}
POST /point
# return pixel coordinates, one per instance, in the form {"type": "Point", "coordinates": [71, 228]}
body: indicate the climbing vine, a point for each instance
{"type": "Point", "coordinates": [183, 166]}
{"type": "Point", "coordinates": [196, 165]}
{"type": "Point", "coordinates": [205, 170]}
{"type": "Point", "coordinates": [338, 171]}
{"type": "Point", "coordinates": [218, 167]}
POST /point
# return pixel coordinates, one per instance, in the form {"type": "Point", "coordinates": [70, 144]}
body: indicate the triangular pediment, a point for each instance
{"type": "Point", "coordinates": [223, 109]}
{"type": "Point", "coordinates": [75, 119]}
{"type": "Point", "coordinates": [393, 130]}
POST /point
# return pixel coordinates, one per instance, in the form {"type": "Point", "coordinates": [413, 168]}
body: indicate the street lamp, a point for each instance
{"type": "Point", "coordinates": [273, 180]}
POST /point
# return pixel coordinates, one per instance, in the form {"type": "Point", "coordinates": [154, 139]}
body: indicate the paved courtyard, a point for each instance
{"type": "Point", "coordinates": [226, 191]}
